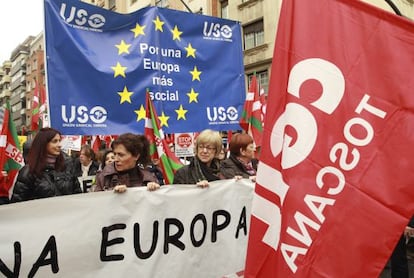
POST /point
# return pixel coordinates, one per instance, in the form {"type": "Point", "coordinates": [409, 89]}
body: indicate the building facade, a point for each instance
{"type": "Point", "coordinates": [18, 84]}
{"type": "Point", "coordinates": [5, 79]}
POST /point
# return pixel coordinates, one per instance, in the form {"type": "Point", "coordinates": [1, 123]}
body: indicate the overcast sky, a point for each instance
{"type": "Point", "coordinates": [18, 20]}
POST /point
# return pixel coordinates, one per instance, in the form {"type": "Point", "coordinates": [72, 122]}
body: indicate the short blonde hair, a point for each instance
{"type": "Point", "coordinates": [210, 137]}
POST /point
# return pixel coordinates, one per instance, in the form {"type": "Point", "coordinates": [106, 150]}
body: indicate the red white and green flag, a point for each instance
{"type": "Point", "coordinates": [39, 107]}
{"type": "Point", "coordinates": [251, 119]}
{"type": "Point", "coordinates": [159, 144]}
{"type": "Point", "coordinates": [11, 158]}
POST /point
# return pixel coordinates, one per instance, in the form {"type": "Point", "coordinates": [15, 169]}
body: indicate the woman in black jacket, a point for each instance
{"type": "Point", "coordinates": [48, 172]}
{"type": "Point", "coordinates": [241, 162]}
{"type": "Point", "coordinates": [205, 166]}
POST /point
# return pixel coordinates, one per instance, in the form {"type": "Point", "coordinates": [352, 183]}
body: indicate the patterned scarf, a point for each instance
{"type": "Point", "coordinates": [248, 167]}
{"type": "Point", "coordinates": [204, 172]}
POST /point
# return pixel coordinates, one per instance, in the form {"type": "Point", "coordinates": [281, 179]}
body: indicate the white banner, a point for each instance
{"type": "Point", "coordinates": [176, 231]}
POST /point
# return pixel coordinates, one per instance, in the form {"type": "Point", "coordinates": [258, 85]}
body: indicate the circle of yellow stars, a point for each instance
{"type": "Point", "coordinates": [120, 71]}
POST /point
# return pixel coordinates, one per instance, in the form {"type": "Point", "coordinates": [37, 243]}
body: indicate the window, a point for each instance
{"type": "Point", "coordinates": [253, 34]}
{"type": "Point", "coordinates": [262, 80]}
{"type": "Point", "coordinates": [224, 9]}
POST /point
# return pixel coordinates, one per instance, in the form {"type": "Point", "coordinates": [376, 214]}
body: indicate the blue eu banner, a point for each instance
{"type": "Point", "coordinates": [101, 63]}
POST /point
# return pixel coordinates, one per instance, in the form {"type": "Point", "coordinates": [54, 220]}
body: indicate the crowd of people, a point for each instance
{"type": "Point", "coordinates": [49, 171]}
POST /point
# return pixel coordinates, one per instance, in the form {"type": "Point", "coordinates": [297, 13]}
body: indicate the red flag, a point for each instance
{"type": "Point", "coordinates": [108, 140]}
{"type": "Point", "coordinates": [35, 108]}
{"type": "Point", "coordinates": [229, 136]}
{"type": "Point", "coordinates": [11, 158]}
{"type": "Point", "coordinates": [158, 144]}
{"type": "Point", "coordinates": [44, 121]}
{"type": "Point", "coordinates": [262, 99]}
{"type": "Point", "coordinates": [334, 188]}
{"type": "Point", "coordinates": [251, 119]}
{"type": "Point", "coordinates": [39, 112]}
{"type": "Point", "coordinates": [96, 143]}
{"type": "Point", "coordinates": [84, 140]}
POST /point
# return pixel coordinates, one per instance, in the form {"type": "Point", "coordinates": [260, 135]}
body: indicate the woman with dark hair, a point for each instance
{"type": "Point", "coordinates": [129, 169]}
{"type": "Point", "coordinates": [86, 165]}
{"type": "Point", "coordinates": [107, 158]}
{"type": "Point", "coordinates": [48, 172]}
{"type": "Point", "coordinates": [241, 162]}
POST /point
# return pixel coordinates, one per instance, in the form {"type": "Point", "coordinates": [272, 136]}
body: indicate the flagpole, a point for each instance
{"type": "Point", "coordinates": [186, 6]}
{"type": "Point", "coordinates": [394, 7]}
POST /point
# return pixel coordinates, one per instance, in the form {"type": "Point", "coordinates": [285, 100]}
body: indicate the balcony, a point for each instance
{"type": "Point", "coordinates": [14, 85]}
{"type": "Point", "coordinates": [6, 94]}
{"type": "Point", "coordinates": [18, 66]}
{"type": "Point", "coordinates": [5, 79]}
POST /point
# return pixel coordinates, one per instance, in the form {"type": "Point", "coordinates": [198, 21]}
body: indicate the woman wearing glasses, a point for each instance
{"type": "Point", "coordinates": [205, 166]}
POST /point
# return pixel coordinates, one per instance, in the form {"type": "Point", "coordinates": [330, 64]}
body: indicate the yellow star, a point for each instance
{"type": "Point", "coordinates": [138, 30]}
{"type": "Point", "coordinates": [181, 113]}
{"type": "Point", "coordinates": [163, 120]}
{"type": "Point", "coordinates": [141, 113]}
{"type": "Point", "coordinates": [123, 47]}
{"type": "Point", "coordinates": [119, 70]}
{"type": "Point", "coordinates": [158, 24]}
{"type": "Point", "coordinates": [176, 33]}
{"type": "Point", "coordinates": [195, 73]}
{"type": "Point", "coordinates": [125, 95]}
{"type": "Point", "coordinates": [192, 96]}
{"type": "Point", "coordinates": [190, 50]}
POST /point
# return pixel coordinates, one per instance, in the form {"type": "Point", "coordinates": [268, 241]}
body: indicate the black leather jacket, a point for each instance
{"type": "Point", "coordinates": [51, 183]}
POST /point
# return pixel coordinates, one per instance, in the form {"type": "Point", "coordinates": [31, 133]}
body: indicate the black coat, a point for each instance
{"type": "Point", "coordinates": [197, 171]}
{"type": "Point", "coordinates": [109, 177]}
{"type": "Point", "coordinates": [51, 183]}
{"type": "Point", "coordinates": [92, 169]}
{"type": "Point", "coordinates": [231, 167]}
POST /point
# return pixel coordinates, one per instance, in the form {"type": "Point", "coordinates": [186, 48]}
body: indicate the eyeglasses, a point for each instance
{"type": "Point", "coordinates": [208, 148]}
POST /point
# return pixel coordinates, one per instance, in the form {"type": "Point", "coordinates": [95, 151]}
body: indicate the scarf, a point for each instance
{"type": "Point", "coordinates": [85, 169]}
{"type": "Point", "coordinates": [205, 172]}
{"type": "Point", "coordinates": [248, 167]}
{"type": "Point", "coordinates": [51, 160]}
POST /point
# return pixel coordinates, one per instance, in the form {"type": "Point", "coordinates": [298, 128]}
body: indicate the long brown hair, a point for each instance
{"type": "Point", "coordinates": [37, 158]}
